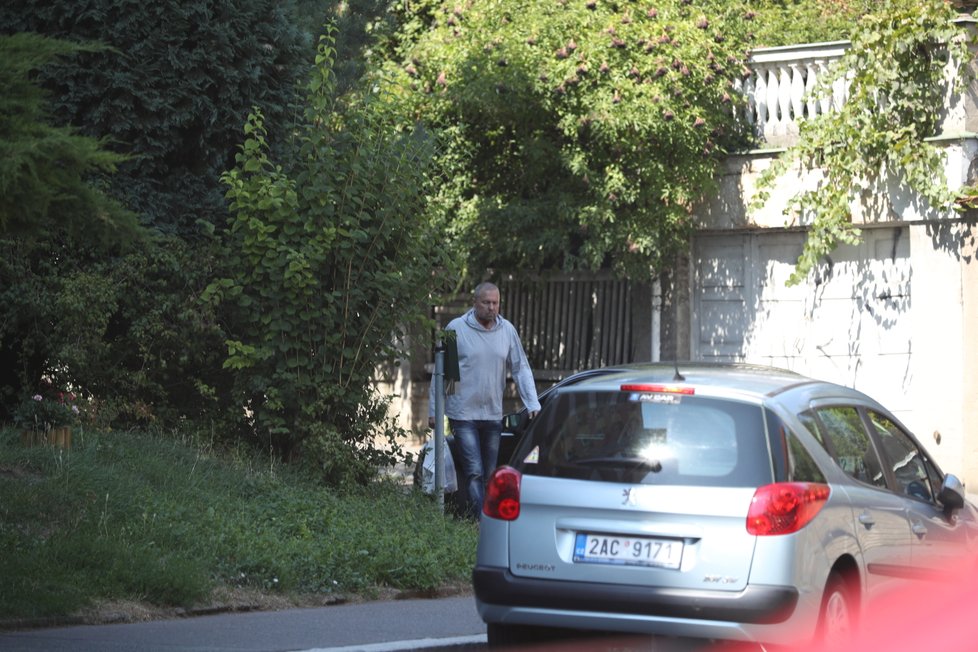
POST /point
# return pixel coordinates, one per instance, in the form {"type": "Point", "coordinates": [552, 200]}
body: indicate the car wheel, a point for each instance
{"type": "Point", "coordinates": [837, 619]}
{"type": "Point", "coordinates": [499, 635]}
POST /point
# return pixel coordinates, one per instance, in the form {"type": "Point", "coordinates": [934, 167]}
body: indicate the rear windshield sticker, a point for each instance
{"type": "Point", "coordinates": [533, 457]}
{"type": "Point", "coordinates": [669, 399]}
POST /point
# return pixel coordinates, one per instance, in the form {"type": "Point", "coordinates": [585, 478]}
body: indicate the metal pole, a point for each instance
{"type": "Point", "coordinates": [439, 451]}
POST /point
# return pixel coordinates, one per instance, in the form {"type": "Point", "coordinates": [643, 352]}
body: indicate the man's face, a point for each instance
{"type": "Point", "coordinates": [487, 307]}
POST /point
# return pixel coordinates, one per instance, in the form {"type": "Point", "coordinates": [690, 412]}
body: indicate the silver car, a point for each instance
{"type": "Point", "coordinates": [728, 502]}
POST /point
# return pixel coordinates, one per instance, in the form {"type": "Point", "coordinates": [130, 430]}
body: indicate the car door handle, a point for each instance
{"type": "Point", "coordinates": [867, 519]}
{"type": "Point", "coordinates": [919, 529]}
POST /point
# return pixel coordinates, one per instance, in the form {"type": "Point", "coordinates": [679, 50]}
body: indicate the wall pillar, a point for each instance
{"type": "Point", "coordinates": [938, 366]}
{"type": "Point", "coordinates": [969, 355]}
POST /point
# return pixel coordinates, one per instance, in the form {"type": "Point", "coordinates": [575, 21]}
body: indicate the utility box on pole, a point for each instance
{"type": "Point", "coordinates": [439, 389]}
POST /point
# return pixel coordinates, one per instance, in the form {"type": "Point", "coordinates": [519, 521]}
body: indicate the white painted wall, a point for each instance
{"type": "Point", "coordinates": [845, 325]}
{"type": "Point", "coordinates": [894, 316]}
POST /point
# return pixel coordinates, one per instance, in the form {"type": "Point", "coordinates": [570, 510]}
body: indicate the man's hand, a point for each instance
{"type": "Point", "coordinates": [534, 414]}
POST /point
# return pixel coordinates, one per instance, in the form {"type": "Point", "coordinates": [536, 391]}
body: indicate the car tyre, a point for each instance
{"type": "Point", "coordinates": [499, 635]}
{"type": "Point", "coordinates": [502, 636]}
{"type": "Point", "coordinates": [837, 617]}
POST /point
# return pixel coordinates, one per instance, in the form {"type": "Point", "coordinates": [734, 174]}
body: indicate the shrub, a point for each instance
{"type": "Point", "coordinates": [39, 412]}
{"type": "Point", "coordinates": [325, 265]}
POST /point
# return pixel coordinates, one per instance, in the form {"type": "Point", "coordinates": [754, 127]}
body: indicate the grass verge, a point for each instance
{"type": "Point", "coordinates": [136, 517]}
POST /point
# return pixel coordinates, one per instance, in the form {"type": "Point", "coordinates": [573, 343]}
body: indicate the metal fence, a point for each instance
{"type": "Point", "coordinates": [567, 322]}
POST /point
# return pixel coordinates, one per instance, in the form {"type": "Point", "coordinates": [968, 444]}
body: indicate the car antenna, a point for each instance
{"type": "Point", "coordinates": [678, 377]}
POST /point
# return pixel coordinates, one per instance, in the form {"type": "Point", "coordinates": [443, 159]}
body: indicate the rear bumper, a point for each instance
{"type": "Point", "coordinates": [755, 605]}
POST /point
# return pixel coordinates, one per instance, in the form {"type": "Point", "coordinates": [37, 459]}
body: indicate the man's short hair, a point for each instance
{"type": "Point", "coordinates": [481, 288]}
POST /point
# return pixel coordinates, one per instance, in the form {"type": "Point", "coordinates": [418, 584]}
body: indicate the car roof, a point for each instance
{"type": "Point", "coordinates": [740, 378]}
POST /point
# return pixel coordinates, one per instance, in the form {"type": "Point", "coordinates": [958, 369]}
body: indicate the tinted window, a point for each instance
{"type": "Point", "coordinates": [850, 444]}
{"type": "Point", "coordinates": [914, 474]}
{"type": "Point", "coordinates": [811, 423]}
{"type": "Point", "coordinates": [792, 461]}
{"type": "Point", "coordinates": [803, 467]}
{"type": "Point", "coordinates": [648, 438]}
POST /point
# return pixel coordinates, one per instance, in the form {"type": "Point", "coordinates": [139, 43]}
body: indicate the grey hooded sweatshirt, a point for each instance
{"type": "Point", "coordinates": [484, 356]}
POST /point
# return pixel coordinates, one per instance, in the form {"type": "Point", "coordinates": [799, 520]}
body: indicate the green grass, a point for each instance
{"type": "Point", "coordinates": [124, 516]}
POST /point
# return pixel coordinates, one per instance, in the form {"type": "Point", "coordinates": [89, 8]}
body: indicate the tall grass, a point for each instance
{"type": "Point", "coordinates": [124, 516]}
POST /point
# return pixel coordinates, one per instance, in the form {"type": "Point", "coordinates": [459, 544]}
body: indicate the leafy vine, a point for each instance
{"type": "Point", "coordinates": [904, 60]}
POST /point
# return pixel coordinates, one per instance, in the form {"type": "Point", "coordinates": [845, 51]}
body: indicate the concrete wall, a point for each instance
{"type": "Point", "coordinates": [945, 327]}
{"type": "Point", "coordinates": [969, 356]}
{"type": "Point", "coordinates": [895, 316]}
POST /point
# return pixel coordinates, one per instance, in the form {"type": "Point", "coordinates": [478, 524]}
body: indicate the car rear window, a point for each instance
{"type": "Point", "coordinates": [648, 438]}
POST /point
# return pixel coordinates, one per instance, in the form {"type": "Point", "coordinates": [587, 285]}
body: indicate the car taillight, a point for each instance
{"type": "Point", "coordinates": [503, 494]}
{"type": "Point", "coordinates": [785, 507]}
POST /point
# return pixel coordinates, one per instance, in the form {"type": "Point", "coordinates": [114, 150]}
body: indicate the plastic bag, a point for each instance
{"type": "Point", "coordinates": [428, 468]}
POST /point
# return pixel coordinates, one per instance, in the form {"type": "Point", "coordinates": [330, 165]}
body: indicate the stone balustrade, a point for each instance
{"type": "Point", "coordinates": [782, 80]}
{"type": "Point", "coordinates": [780, 89]}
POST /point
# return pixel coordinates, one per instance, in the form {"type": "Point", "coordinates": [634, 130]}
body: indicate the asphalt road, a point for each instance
{"type": "Point", "coordinates": [436, 625]}
{"type": "Point", "coordinates": [371, 627]}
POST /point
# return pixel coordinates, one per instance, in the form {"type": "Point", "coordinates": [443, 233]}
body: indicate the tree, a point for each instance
{"type": "Point", "coordinates": [49, 195]}
{"type": "Point", "coordinates": [168, 88]}
{"type": "Point", "coordinates": [583, 132]}
{"type": "Point", "coordinates": [46, 171]}
{"type": "Point", "coordinates": [171, 91]}
{"type": "Point", "coordinates": [326, 263]}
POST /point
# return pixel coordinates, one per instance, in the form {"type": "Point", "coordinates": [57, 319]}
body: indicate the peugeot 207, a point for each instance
{"type": "Point", "coordinates": [725, 502]}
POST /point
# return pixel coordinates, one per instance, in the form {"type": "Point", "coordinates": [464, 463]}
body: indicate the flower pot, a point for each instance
{"type": "Point", "coordinates": [60, 436]}
{"type": "Point", "coordinates": [30, 438]}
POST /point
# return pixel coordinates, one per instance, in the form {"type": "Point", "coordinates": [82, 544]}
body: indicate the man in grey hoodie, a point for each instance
{"type": "Point", "coordinates": [488, 347]}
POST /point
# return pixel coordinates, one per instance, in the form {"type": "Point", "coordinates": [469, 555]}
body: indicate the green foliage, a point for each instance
{"type": "Point", "coordinates": [124, 516]}
{"type": "Point", "coordinates": [45, 171]}
{"type": "Point", "coordinates": [124, 328]}
{"type": "Point", "coordinates": [897, 72]}
{"type": "Point", "coordinates": [357, 23]}
{"type": "Point", "coordinates": [168, 86]}
{"type": "Point", "coordinates": [325, 266]}
{"type": "Point", "coordinates": [145, 346]}
{"type": "Point", "coordinates": [582, 133]}
{"type": "Point", "coordinates": [791, 22]}
{"type": "Point", "coordinates": [171, 91]}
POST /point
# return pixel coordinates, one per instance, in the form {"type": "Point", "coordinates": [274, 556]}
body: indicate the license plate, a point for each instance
{"type": "Point", "coordinates": [629, 551]}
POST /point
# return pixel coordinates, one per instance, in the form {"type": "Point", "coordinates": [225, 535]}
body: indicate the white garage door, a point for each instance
{"type": "Point", "coordinates": [848, 323]}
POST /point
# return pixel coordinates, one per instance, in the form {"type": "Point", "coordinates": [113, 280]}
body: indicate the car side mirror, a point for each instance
{"type": "Point", "coordinates": [951, 494]}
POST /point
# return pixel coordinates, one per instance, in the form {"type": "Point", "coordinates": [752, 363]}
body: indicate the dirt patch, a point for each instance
{"type": "Point", "coordinates": [229, 600]}
{"type": "Point", "coordinates": [223, 600]}
{"type": "Point", "coordinates": [18, 473]}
